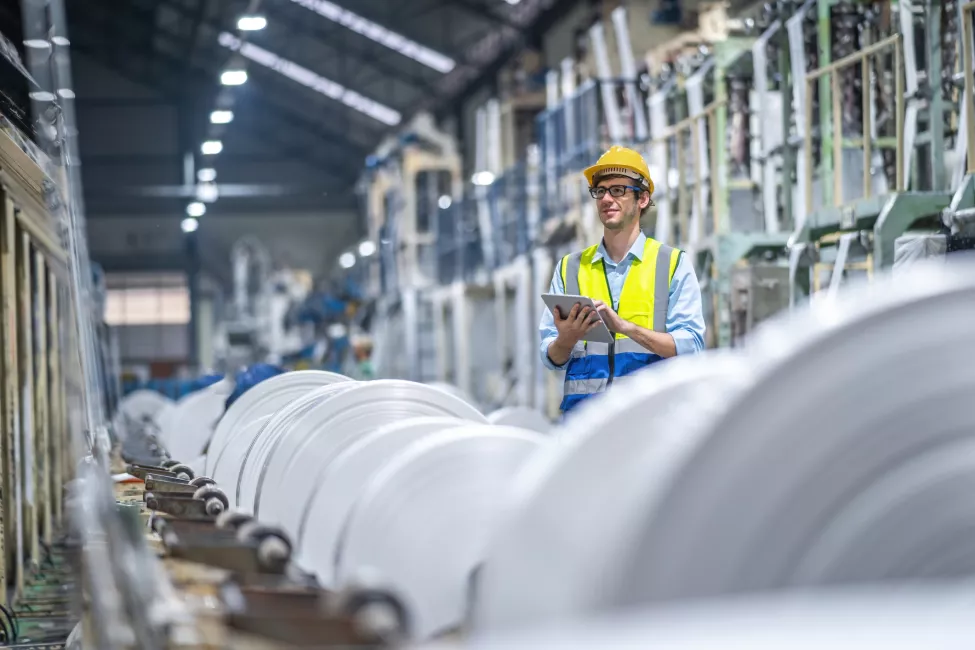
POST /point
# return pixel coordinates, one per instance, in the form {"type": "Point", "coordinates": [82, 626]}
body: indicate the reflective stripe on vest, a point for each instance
{"type": "Point", "coordinates": [644, 300]}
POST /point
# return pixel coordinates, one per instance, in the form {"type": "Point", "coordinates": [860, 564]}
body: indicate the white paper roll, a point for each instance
{"type": "Point", "coordinates": [521, 416]}
{"type": "Point", "coordinates": [423, 522]}
{"type": "Point", "coordinates": [255, 459]}
{"type": "Point", "coordinates": [910, 619]}
{"type": "Point", "coordinates": [226, 471]}
{"type": "Point", "coordinates": [187, 429]}
{"type": "Point", "coordinates": [844, 461]}
{"type": "Point", "coordinates": [341, 483]}
{"type": "Point", "coordinates": [264, 399]}
{"type": "Point", "coordinates": [291, 473]}
{"type": "Point", "coordinates": [588, 490]}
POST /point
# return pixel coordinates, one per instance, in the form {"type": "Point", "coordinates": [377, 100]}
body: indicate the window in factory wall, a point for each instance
{"type": "Point", "coordinates": [131, 300]}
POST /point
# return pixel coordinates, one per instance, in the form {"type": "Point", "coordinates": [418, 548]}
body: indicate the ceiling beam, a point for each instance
{"type": "Point", "coordinates": [201, 82]}
{"type": "Point", "coordinates": [384, 67]}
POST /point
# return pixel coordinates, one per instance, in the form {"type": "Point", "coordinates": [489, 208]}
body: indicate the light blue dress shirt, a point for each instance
{"type": "Point", "coordinates": [685, 317]}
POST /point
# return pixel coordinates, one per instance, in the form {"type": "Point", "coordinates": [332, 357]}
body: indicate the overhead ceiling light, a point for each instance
{"type": "Point", "coordinates": [346, 260]}
{"type": "Point", "coordinates": [189, 224]}
{"type": "Point", "coordinates": [212, 147]}
{"type": "Point", "coordinates": [196, 209]}
{"type": "Point", "coordinates": [67, 93]}
{"type": "Point", "coordinates": [309, 79]}
{"type": "Point", "coordinates": [207, 192]}
{"type": "Point", "coordinates": [482, 178]}
{"type": "Point", "coordinates": [444, 202]}
{"type": "Point", "coordinates": [222, 117]}
{"type": "Point", "coordinates": [367, 248]}
{"type": "Point", "coordinates": [251, 23]}
{"type": "Point", "coordinates": [512, 2]}
{"type": "Point", "coordinates": [233, 77]}
{"type": "Point", "coordinates": [206, 175]}
{"type": "Point", "coordinates": [379, 34]}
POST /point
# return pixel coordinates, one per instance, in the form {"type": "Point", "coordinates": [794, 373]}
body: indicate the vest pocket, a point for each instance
{"type": "Point", "coordinates": [637, 312]}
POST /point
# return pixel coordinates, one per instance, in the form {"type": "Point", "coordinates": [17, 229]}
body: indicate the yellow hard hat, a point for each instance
{"type": "Point", "coordinates": [622, 162]}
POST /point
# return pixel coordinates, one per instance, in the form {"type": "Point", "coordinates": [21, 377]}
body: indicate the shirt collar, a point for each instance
{"type": "Point", "coordinates": [636, 250]}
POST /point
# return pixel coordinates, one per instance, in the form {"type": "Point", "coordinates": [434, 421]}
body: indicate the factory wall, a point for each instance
{"type": "Point", "coordinates": [307, 241]}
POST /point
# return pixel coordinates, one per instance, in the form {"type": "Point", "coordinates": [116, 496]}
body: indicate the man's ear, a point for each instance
{"type": "Point", "coordinates": [644, 199]}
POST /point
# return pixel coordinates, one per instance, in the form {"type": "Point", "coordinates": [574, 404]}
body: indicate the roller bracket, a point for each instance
{"type": "Point", "coordinates": [294, 615]}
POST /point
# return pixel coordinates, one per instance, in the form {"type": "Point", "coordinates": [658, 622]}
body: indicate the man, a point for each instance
{"type": "Point", "coordinates": [645, 291]}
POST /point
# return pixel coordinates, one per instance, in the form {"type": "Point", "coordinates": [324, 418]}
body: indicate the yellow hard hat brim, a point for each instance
{"type": "Point", "coordinates": [591, 172]}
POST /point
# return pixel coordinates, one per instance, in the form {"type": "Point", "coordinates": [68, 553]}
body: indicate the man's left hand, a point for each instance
{"type": "Point", "coordinates": [610, 317]}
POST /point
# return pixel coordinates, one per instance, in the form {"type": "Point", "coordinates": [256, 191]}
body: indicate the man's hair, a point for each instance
{"type": "Point", "coordinates": [645, 211]}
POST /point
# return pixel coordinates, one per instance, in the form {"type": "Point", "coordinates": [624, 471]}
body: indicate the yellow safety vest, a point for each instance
{"type": "Point", "coordinates": [643, 301]}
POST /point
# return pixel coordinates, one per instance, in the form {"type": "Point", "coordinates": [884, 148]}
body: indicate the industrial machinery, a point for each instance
{"type": "Point", "coordinates": [332, 512]}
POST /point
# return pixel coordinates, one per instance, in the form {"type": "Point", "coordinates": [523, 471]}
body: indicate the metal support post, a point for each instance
{"type": "Point", "coordinates": [607, 85]}
{"type": "Point", "coordinates": [628, 69]}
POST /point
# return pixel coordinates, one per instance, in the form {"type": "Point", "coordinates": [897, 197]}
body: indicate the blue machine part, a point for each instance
{"type": "Point", "coordinates": [172, 388]}
{"type": "Point", "coordinates": [250, 377]}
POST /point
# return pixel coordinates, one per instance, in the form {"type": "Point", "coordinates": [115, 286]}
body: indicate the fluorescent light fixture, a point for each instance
{"type": "Point", "coordinates": [444, 202]}
{"type": "Point", "coordinates": [37, 44]}
{"type": "Point", "coordinates": [67, 93]}
{"type": "Point", "coordinates": [367, 248]}
{"type": "Point", "coordinates": [512, 2]}
{"type": "Point", "coordinates": [189, 224]}
{"type": "Point", "coordinates": [233, 77]}
{"type": "Point", "coordinates": [396, 42]}
{"type": "Point", "coordinates": [309, 79]}
{"type": "Point", "coordinates": [251, 23]}
{"type": "Point", "coordinates": [346, 260]}
{"type": "Point", "coordinates": [482, 178]}
{"type": "Point", "coordinates": [222, 117]}
{"type": "Point", "coordinates": [196, 209]}
{"type": "Point", "coordinates": [206, 175]}
{"type": "Point", "coordinates": [211, 147]}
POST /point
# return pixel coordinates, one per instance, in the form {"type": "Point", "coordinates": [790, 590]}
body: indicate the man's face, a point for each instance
{"type": "Point", "coordinates": [618, 213]}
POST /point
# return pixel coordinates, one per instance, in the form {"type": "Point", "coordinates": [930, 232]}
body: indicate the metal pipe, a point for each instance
{"type": "Point", "coordinates": [856, 56]}
{"type": "Point", "coordinates": [967, 64]}
{"type": "Point", "coordinates": [899, 114]}
{"type": "Point", "coordinates": [867, 126]}
{"type": "Point", "coordinates": [837, 140]}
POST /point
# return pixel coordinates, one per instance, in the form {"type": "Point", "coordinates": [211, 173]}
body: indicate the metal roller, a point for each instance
{"type": "Point", "coordinates": [423, 523]}
{"type": "Point", "coordinates": [344, 479]}
{"type": "Point", "coordinates": [908, 619]}
{"type": "Point", "coordinates": [290, 476]}
{"type": "Point", "coordinates": [264, 399]}
{"type": "Point", "coordinates": [588, 488]}
{"type": "Point", "coordinates": [521, 416]}
{"type": "Point", "coordinates": [839, 463]}
{"type": "Point", "coordinates": [250, 469]}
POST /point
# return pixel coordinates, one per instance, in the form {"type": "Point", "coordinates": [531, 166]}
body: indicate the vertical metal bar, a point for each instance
{"type": "Point", "coordinates": [24, 440]}
{"type": "Point", "coordinates": [59, 444]}
{"type": "Point", "coordinates": [968, 49]}
{"type": "Point", "coordinates": [8, 425]}
{"type": "Point", "coordinates": [867, 126]}
{"type": "Point", "coordinates": [698, 179]}
{"type": "Point", "coordinates": [682, 189]}
{"type": "Point", "coordinates": [826, 105]}
{"type": "Point", "coordinates": [808, 142]}
{"type": "Point", "coordinates": [837, 141]}
{"type": "Point", "coordinates": [718, 202]}
{"type": "Point", "coordinates": [899, 113]}
{"type": "Point", "coordinates": [41, 399]}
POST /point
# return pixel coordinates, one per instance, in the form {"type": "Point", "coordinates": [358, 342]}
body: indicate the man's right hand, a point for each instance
{"type": "Point", "coordinates": [571, 329]}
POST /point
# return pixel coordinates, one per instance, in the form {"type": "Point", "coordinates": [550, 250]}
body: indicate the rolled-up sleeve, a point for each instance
{"type": "Point", "coordinates": [547, 331]}
{"type": "Point", "coordinates": [685, 310]}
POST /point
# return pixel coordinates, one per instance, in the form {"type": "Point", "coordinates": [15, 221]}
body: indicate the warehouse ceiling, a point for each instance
{"type": "Point", "coordinates": [325, 85]}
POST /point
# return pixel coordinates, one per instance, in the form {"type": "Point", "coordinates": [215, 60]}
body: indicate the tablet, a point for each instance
{"type": "Point", "coordinates": [564, 303]}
